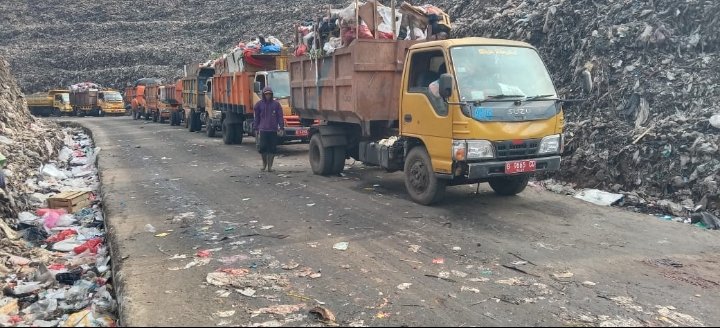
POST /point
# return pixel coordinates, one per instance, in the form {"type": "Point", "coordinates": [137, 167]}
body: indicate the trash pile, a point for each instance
{"type": "Point", "coordinates": [649, 129]}
{"type": "Point", "coordinates": [248, 53]}
{"type": "Point", "coordinates": [25, 144]}
{"type": "Point", "coordinates": [370, 20]}
{"type": "Point", "coordinates": [55, 269]}
{"type": "Point", "coordinates": [85, 86]}
{"type": "Point", "coordinates": [54, 266]}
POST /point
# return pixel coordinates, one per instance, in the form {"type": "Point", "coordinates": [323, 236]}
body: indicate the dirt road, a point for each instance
{"type": "Point", "coordinates": [536, 259]}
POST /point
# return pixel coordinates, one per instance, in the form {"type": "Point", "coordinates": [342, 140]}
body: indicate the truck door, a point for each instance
{"type": "Point", "coordinates": [423, 113]}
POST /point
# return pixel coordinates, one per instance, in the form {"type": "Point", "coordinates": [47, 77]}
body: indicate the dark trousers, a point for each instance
{"type": "Point", "coordinates": [267, 142]}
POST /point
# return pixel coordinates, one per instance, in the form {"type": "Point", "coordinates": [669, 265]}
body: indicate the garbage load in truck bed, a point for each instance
{"type": "Point", "coordinates": [356, 84]}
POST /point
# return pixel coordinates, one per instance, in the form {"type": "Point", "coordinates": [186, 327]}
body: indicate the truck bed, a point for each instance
{"type": "Point", "coordinates": [356, 84]}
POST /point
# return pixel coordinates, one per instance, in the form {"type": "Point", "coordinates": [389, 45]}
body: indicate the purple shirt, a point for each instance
{"type": "Point", "coordinates": [268, 116]}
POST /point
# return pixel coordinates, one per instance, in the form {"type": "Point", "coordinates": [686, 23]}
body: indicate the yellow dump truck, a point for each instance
{"type": "Point", "coordinates": [449, 112]}
{"type": "Point", "coordinates": [53, 102]}
{"type": "Point", "coordinates": [111, 102]}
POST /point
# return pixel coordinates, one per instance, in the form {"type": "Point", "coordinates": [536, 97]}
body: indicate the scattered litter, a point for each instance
{"type": "Point", "coordinates": [459, 273]}
{"type": "Point", "coordinates": [563, 275]}
{"type": "Point", "coordinates": [164, 234]}
{"type": "Point", "coordinates": [404, 286]}
{"type": "Point", "coordinates": [249, 292]}
{"type": "Point", "coordinates": [469, 289]}
{"type": "Point", "coordinates": [267, 227]}
{"type": "Point", "coordinates": [382, 315]}
{"type": "Point", "coordinates": [599, 197]}
{"type": "Point", "coordinates": [341, 246]}
{"type": "Point", "coordinates": [588, 283]}
{"type": "Point", "coordinates": [311, 205]}
{"type": "Point", "coordinates": [456, 249]}
{"type": "Point", "coordinates": [150, 228]}
{"type": "Point", "coordinates": [278, 309]}
{"type": "Point", "coordinates": [414, 248]}
{"type": "Point", "coordinates": [325, 315]}
{"type": "Point", "coordinates": [439, 260]}
{"type": "Point", "coordinates": [290, 266]}
{"type": "Point", "coordinates": [224, 314]}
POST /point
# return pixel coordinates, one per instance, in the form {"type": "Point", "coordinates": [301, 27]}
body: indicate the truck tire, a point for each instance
{"type": "Point", "coordinates": [56, 113]}
{"type": "Point", "coordinates": [232, 133]}
{"type": "Point", "coordinates": [197, 120]}
{"type": "Point", "coordinates": [338, 160]}
{"type": "Point", "coordinates": [210, 130]}
{"type": "Point", "coordinates": [190, 123]}
{"type": "Point", "coordinates": [321, 157]}
{"type": "Point", "coordinates": [155, 117]}
{"type": "Point", "coordinates": [420, 181]}
{"type": "Point", "coordinates": [81, 114]}
{"type": "Point", "coordinates": [509, 186]}
{"type": "Point", "coordinates": [161, 119]}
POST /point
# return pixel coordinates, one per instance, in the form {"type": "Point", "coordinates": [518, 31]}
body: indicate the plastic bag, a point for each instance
{"type": "Point", "coordinates": [301, 50]}
{"type": "Point", "coordinates": [65, 220]}
{"type": "Point", "coordinates": [65, 154]}
{"type": "Point", "coordinates": [52, 171]}
{"type": "Point", "coordinates": [65, 234]}
{"type": "Point", "coordinates": [50, 219]}
{"type": "Point", "coordinates": [27, 218]}
{"type": "Point", "coordinates": [275, 41]}
{"type": "Point", "coordinates": [2, 160]}
{"type": "Point", "coordinates": [270, 49]}
{"type": "Point", "coordinates": [90, 245]}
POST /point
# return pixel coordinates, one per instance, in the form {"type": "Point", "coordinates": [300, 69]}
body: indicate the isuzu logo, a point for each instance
{"type": "Point", "coordinates": [518, 111]}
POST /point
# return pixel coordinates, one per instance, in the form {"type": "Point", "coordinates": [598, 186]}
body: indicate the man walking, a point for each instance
{"type": "Point", "coordinates": [268, 122]}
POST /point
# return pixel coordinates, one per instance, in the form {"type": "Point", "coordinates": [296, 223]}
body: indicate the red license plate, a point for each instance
{"type": "Point", "coordinates": [519, 167]}
{"type": "Point", "coordinates": [301, 133]}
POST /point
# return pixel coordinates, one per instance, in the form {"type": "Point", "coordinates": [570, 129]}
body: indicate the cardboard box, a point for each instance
{"type": "Point", "coordinates": [71, 201]}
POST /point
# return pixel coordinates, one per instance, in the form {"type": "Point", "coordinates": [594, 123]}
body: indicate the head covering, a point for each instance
{"type": "Point", "coordinates": [267, 90]}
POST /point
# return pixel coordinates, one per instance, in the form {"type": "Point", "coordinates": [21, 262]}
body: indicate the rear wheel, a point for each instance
{"type": "Point", "coordinates": [190, 122]}
{"type": "Point", "coordinates": [155, 117]}
{"type": "Point", "coordinates": [420, 180]}
{"type": "Point", "coordinates": [321, 157]}
{"type": "Point", "coordinates": [162, 119]}
{"type": "Point", "coordinates": [232, 133]}
{"type": "Point", "coordinates": [509, 186]}
{"type": "Point", "coordinates": [338, 160]}
{"type": "Point", "coordinates": [210, 130]}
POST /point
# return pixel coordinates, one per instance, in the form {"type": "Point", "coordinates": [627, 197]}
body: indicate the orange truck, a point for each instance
{"type": "Point", "coordinates": [234, 92]}
{"type": "Point", "coordinates": [168, 103]}
{"type": "Point", "coordinates": [145, 101]}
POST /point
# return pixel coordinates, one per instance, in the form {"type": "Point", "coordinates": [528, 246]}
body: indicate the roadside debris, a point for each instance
{"type": "Point", "coordinates": [598, 197]}
{"type": "Point", "coordinates": [326, 316]}
{"type": "Point", "coordinates": [341, 246]}
{"type": "Point", "coordinates": [72, 285]}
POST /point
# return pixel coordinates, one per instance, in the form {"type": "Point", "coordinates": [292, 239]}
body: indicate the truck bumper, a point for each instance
{"type": "Point", "coordinates": [496, 169]}
{"type": "Point", "coordinates": [296, 133]}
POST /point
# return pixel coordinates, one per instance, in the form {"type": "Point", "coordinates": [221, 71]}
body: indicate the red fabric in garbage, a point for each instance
{"type": "Point", "coordinates": [203, 254]}
{"type": "Point", "coordinates": [247, 55]}
{"type": "Point", "coordinates": [56, 267]}
{"type": "Point", "coordinates": [301, 50]}
{"type": "Point", "coordinates": [65, 234]}
{"type": "Point", "coordinates": [91, 245]}
{"type": "Point", "coordinates": [364, 32]}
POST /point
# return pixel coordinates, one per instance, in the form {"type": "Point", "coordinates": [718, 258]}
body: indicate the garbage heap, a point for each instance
{"type": "Point", "coordinates": [251, 53]}
{"type": "Point", "coordinates": [369, 20]}
{"type": "Point", "coordinates": [25, 144]}
{"type": "Point", "coordinates": [55, 269]}
{"type": "Point", "coordinates": [85, 86]}
{"type": "Point", "coordinates": [650, 128]}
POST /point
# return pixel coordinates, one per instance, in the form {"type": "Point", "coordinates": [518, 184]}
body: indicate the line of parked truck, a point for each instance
{"type": "Point", "coordinates": [444, 111]}
{"type": "Point", "coordinates": [86, 102]}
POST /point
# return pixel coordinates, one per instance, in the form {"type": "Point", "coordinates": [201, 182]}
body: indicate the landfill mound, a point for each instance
{"type": "Point", "coordinates": [645, 129]}
{"type": "Point", "coordinates": [25, 142]}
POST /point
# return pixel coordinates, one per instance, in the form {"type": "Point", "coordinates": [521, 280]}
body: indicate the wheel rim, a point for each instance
{"type": "Point", "coordinates": [418, 176]}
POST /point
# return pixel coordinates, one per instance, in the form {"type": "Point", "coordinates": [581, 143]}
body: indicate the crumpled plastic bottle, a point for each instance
{"type": "Point", "coordinates": [40, 310]}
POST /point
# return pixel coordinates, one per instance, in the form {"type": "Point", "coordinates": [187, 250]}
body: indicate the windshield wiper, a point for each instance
{"type": "Point", "coordinates": [539, 97]}
{"type": "Point", "coordinates": [506, 96]}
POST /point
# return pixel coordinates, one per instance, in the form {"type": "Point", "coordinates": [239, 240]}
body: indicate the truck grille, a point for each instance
{"type": "Point", "coordinates": [516, 149]}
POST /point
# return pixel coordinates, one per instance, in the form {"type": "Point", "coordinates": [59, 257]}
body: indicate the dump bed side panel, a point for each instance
{"type": "Point", "coordinates": [233, 92]}
{"type": "Point", "coordinates": [357, 84]}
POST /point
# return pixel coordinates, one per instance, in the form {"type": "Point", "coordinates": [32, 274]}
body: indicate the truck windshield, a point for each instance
{"type": "Point", "coordinates": [486, 72]}
{"type": "Point", "coordinates": [280, 83]}
{"type": "Point", "coordinates": [112, 96]}
{"type": "Point", "coordinates": [65, 97]}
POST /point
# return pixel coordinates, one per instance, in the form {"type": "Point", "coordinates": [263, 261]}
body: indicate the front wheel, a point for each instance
{"type": "Point", "coordinates": [232, 133]}
{"type": "Point", "coordinates": [420, 180]}
{"type": "Point", "coordinates": [509, 186]}
{"type": "Point", "coordinates": [321, 157]}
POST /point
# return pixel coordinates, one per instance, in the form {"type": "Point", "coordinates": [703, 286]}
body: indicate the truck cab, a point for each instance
{"type": "Point", "coordinates": [111, 102]}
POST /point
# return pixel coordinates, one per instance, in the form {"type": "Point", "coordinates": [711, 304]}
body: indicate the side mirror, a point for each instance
{"type": "Point", "coordinates": [257, 87]}
{"type": "Point", "coordinates": [446, 85]}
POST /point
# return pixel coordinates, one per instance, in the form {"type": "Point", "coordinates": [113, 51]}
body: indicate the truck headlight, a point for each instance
{"type": "Point", "coordinates": [472, 149]}
{"type": "Point", "coordinates": [480, 149]}
{"type": "Point", "coordinates": [550, 145]}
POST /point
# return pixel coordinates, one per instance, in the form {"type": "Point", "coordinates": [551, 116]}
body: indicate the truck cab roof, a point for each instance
{"type": "Point", "coordinates": [474, 41]}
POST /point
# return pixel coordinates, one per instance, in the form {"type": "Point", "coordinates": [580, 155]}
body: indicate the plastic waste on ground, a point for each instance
{"type": "Point", "coordinates": [598, 197]}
